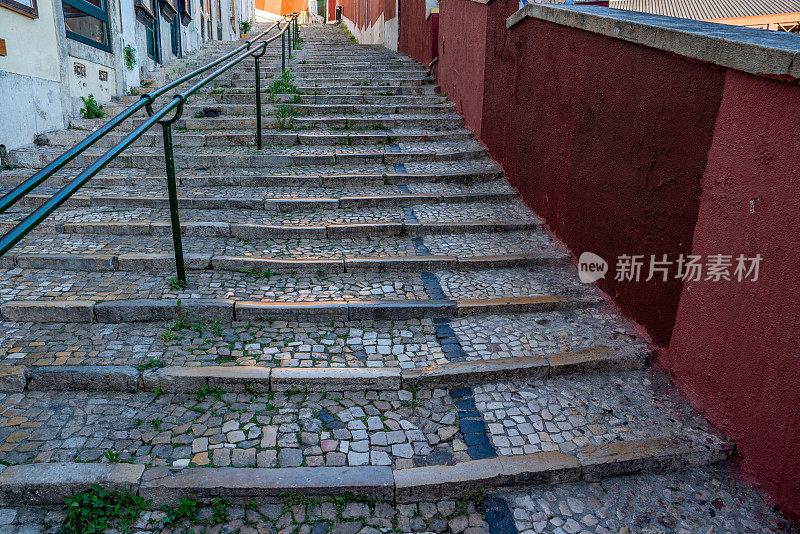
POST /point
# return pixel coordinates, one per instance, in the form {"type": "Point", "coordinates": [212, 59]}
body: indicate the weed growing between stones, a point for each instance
{"type": "Point", "coordinates": [96, 511]}
{"type": "Point", "coordinates": [91, 109]}
{"type": "Point", "coordinates": [186, 510]}
{"type": "Point", "coordinates": [220, 507]}
{"type": "Point", "coordinates": [282, 85]}
{"type": "Point", "coordinates": [257, 273]}
{"type": "Point", "coordinates": [154, 363]}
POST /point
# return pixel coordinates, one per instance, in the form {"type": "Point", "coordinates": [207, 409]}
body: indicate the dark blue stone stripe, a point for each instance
{"type": "Point", "coordinates": [498, 516]}
{"type": "Point", "coordinates": [471, 424]}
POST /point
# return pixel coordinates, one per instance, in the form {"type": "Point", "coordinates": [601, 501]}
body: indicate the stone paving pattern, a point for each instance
{"type": "Point", "coordinates": [364, 123]}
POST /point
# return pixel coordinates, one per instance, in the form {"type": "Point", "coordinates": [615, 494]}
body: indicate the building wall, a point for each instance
{"type": "Point", "coordinates": [416, 37]}
{"type": "Point", "coordinates": [733, 346]}
{"type": "Point", "coordinates": [671, 147]}
{"type": "Point", "coordinates": [42, 85]}
{"type": "Point", "coordinates": [30, 88]}
{"type": "Point", "coordinates": [371, 21]}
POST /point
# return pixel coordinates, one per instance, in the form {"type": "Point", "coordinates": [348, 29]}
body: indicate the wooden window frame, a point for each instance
{"type": "Point", "coordinates": [22, 9]}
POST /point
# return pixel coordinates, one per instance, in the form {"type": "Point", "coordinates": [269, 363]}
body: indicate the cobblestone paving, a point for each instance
{"type": "Point", "coordinates": [695, 500]}
{"type": "Point", "coordinates": [297, 514]}
{"type": "Point", "coordinates": [45, 284]}
{"type": "Point", "coordinates": [519, 282]}
{"type": "Point", "coordinates": [566, 413]}
{"type": "Point", "coordinates": [541, 334]}
{"type": "Point", "coordinates": [212, 428]}
{"type": "Point", "coordinates": [380, 112]}
{"type": "Point", "coordinates": [486, 212]}
{"type": "Point", "coordinates": [460, 245]}
{"type": "Point", "coordinates": [405, 344]}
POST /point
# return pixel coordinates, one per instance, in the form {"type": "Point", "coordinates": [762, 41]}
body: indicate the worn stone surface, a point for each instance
{"type": "Point", "coordinates": [370, 308]}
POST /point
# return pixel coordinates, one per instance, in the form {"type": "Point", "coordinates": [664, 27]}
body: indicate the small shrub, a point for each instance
{"type": "Point", "coordinates": [91, 109]}
{"type": "Point", "coordinates": [98, 510]}
{"type": "Point", "coordinates": [244, 26]}
{"type": "Point", "coordinates": [186, 510]}
{"type": "Point", "coordinates": [130, 57]}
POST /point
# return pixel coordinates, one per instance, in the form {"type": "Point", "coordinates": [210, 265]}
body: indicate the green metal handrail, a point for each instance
{"type": "Point", "coordinates": [30, 222]}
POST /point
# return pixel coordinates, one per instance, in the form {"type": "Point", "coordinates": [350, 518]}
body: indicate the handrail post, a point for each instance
{"type": "Point", "coordinates": [172, 189]}
{"type": "Point", "coordinates": [289, 41]}
{"type": "Point", "coordinates": [283, 53]}
{"type": "Point", "coordinates": [258, 103]}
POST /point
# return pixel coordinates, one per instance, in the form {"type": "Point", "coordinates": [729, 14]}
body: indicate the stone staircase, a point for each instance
{"type": "Point", "coordinates": [377, 334]}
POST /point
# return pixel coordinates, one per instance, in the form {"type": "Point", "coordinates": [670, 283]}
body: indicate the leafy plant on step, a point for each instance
{"type": "Point", "coordinates": [155, 423]}
{"type": "Point", "coordinates": [154, 363]}
{"type": "Point", "coordinates": [199, 114]}
{"type": "Point", "coordinates": [111, 456]}
{"type": "Point", "coordinates": [216, 328]}
{"type": "Point", "coordinates": [220, 510]}
{"type": "Point", "coordinates": [91, 109]}
{"type": "Point", "coordinates": [244, 26]}
{"type": "Point", "coordinates": [213, 391]}
{"type": "Point", "coordinates": [175, 283]}
{"type": "Point", "coordinates": [98, 510]}
{"type": "Point", "coordinates": [130, 57]}
{"type": "Point", "coordinates": [186, 510]}
{"type": "Point", "coordinates": [462, 505]}
{"type": "Point", "coordinates": [282, 85]}
{"type": "Point", "coordinates": [257, 273]}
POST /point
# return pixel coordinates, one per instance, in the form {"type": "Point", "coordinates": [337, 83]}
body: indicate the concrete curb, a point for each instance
{"type": "Point", "coordinates": [51, 483]}
{"type": "Point", "coordinates": [225, 310]}
{"type": "Point", "coordinates": [240, 379]}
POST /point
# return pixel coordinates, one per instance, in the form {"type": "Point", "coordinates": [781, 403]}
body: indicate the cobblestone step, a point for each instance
{"type": "Point", "coordinates": [584, 340]}
{"type": "Point", "coordinates": [374, 326]}
{"type": "Point", "coordinates": [442, 218]}
{"type": "Point", "coordinates": [221, 157]}
{"type": "Point", "coordinates": [471, 251]}
{"type": "Point", "coordinates": [285, 201]}
{"type": "Point", "coordinates": [420, 176]}
{"type": "Point", "coordinates": [403, 446]}
{"type": "Point", "coordinates": [300, 135]}
{"type": "Point", "coordinates": [673, 501]}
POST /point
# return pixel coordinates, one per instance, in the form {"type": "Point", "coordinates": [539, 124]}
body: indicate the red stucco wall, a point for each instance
{"type": "Point", "coordinates": [733, 349]}
{"type": "Point", "coordinates": [627, 149]}
{"type": "Point", "coordinates": [611, 171]}
{"type": "Point", "coordinates": [415, 36]}
{"type": "Point", "coordinates": [462, 52]}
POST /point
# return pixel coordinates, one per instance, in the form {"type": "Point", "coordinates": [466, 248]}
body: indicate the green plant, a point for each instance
{"type": "Point", "coordinates": [282, 84]}
{"type": "Point", "coordinates": [111, 456]}
{"type": "Point", "coordinates": [244, 26]}
{"type": "Point", "coordinates": [210, 390]}
{"type": "Point", "coordinates": [155, 423]}
{"type": "Point", "coordinates": [154, 363]}
{"type": "Point", "coordinates": [257, 273]}
{"type": "Point", "coordinates": [220, 505]}
{"type": "Point", "coordinates": [176, 283]}
{"type": "Point", "coordinates": [91, 109]}
{"type": "Point", "coordinates": [130, 57]}
{"type": "Point", "coordinates": [186, 509]}
{"type": "Point", "coordinates": [98, 510]}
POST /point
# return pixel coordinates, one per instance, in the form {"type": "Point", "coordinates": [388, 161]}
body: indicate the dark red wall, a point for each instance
{"type": "Point", "coordinates": [625, 149]}
{"type": "Point", "coordinates": [462, 53]}
{"type": "Point", "coordinates": [734, 346]}
{"type": "Point", "coordinates": [611, 171]}
{"type": "Point", "coordinates": [415, 38]}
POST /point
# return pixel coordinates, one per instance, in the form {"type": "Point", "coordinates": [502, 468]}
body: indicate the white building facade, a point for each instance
{"type": "Point", "coordinates": [53, 52]}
